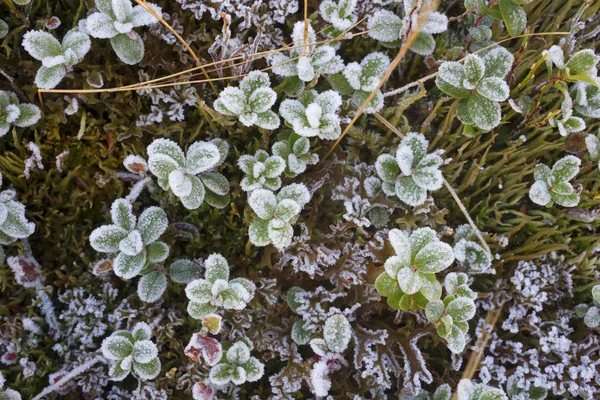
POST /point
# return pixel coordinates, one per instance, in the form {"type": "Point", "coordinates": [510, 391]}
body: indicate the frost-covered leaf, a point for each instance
{"type": "Point", "coordinates": [118, 372]}
{"type": "Point", "coordinates": [231, 101]}
{"type": "Point", "coordinates": [280, 233]}
{"type": "Point", "coordinates": [409, 280]}
{"type": "Point", "coordinates": [254, 369]}
{"type": "Point", "coordinates": [132, 244]}
{"type": "Point", "coordinates": [409, 192]}
{"type": "Point", "coordinates": [49, 78]}
{"type": "Point", "coordinates": [484, 112]}
{"type": "Point", "coordinates": [141, 331]}
{"type": "Point", "coordinates": [582, 61]}
{"type": "Point", "coordinates": [431, 289]}
{"type": "Point", "coordinates": [152, 223]}
{"type": "Point", "coordinates": [514, 17]}
{"type": "Point", "coordinates": [498, 62]}
{"type": "Point", "coordinates": [106, 238]}
{"type": "Point", "coordinates": [436, 23]}
{"type": "Point", "coordinates": [142, 17]}
{"type": "Point", "coordinates": [221, 374]}
{"type": "Point", "coordinates": [300, 335]}
{"type": "Point", "coordinates": [41, 45]}
{"type": "Point", "coordinates": [101, 26]}
{"type": "Point", "coordinates": [474, 67]}
{"type": "Point", "coordinates": [493, 88]}
{"type": "Point", "coordinates": [127, 267]}
{"type": "Point", "coordinates": [199, 291]}
{"type": "Point", "coordinates": [263, 202]}
{"type": "Point", "coordinates": [434, 257]}
{"type": "Point", "coordinates": [148, 370]}
{"type": "Point", "coordinates": [456, 341]}
{"type": "Point", "coordinates": [128, 47]}
{"type": "Point", "coordinates": [216, 268]}
{"type": "Point", "coordinates": [168, 148]}
{"type": "Point", "coordinates": [122, 214]}
{"type": "Point", "coordinates": [144, 351]}
{"type": "Point", "coordinates": [3, 29]}
{"type": "Point", "coordinates": [216, 183]}
{"type": "Point", "coordinates": [258, 232]}
{"type": "Point", "coordinates": [199, 310]}
{"type": "Point", "coordinates": [386, 285]}
{"type": "Point", "coordinates": [461, 309]}
{"type": "Point", "coordinates": [184, 271]}
{"type": "Point", "coordinates": [202, 156]}
{"type": "Point", "coordinates": [157, 252]}
{"type": "Point", "coordinates": [592, 317]}
{"type": "Point", "coordinates": [540, 193]}
{"type": "Point", "coordinates": [77, 42]}
{"type": "Point", "coordinates": [424, 44]}
{"type": "Point", "coordinates": [387, 168]}
{"type": "Point", "coordinates": [566, 168]}
{"type": "Point", "coordinates": [29, 114]}
{"type": "Point", "coordinates": [151, 287]}
{"type": "Point", "coordinates": [384, 26]}
{"type": "Point", "coordinates": [596, 293]}
{"type": "Point", "coordinates": [337, 333]}
{"type": "Point", "coordinates": [434, 310]}
{"type": "Point", "coordinates": [452, 73]}
{"type": "Point", "coordinates": [443, 392]}
{"type": "Point", "coordinates": [197, 195]}
{"type": "Point", "coordinates": [116, 347]}
{"type": "Point", "coordinates": [239, 353]}
{"type": "Point", "coordinates": [295, 191]}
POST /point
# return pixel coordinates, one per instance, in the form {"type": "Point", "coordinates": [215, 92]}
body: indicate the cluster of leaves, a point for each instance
{"type": "Point", "coordinates": [13, 223]}
{"type": "Point", "coordinates": [552, 185]}
{"type": "Point", "coordinates": [409, 282]}
{"type": "Point", "coordinates": [132, 351]}
{"type": "Point", "coordinates": [238, 366]}
{"type": "Point", "coordinates": [14, 113]}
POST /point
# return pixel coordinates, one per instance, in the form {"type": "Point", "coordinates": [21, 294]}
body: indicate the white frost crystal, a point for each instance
{"type": "Point", "coordinates": [314, 114]}
{"type": "Point", "coordinates": [251, 102]}
{"type": "Point", "coordinates": [13, 223]}
{"type": "Point", "coordinates": [115, 20]}
{"type": "Point", "coordinates": [261, 171]}
{"type": "Point", "coordinates": [191, 177]}
{"type": "Point", "coordinates": [337, 333]}
{"type": "Point", "coordinates": [412, 172]}
{"type": "Point", "coordinates": [340, 14]}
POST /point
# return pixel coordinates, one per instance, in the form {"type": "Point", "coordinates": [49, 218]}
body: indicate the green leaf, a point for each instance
{"type": "Point", "coordinates": [494, 89]}
{"type": "Point", "coordinates": [405, 302]}
{"type": "Point", "coordinates": [29, 115]}
{"type": "Point", "coordinates": [474, 67]}
{"type": "Point", "coordinates": [430, 287]}
{"type": "Point", "coordinates": [254, 81]}
{"type": "Point", "coordinates": [148, 370]}
{"type": "Point", "coordinates": [498, 62]}
{"type": "Point", "coordinates": [127, 267]}
{"type": "Point", "coordinates": [49, 78]}
{"type": "Point", "coordinates": [291, 297]}
{"type": "Point", "coordinates": [152, 286]}
{"type": "Point", "coordinates": [152, 223]}
{"type": "Point", "coordinates": [434, 257]}
{"type": "Point", "coordinates": [122, 215]}
{"type": "Point", "coordinates": [280, 234]}
{"type": "Point", "coordinates": [199, 310]}
{"type": "Point", "coordinates": [274, 166]}
{"type": "Point", "coordinates": [201, 157]}
{"type": "Point", "coordinates": [514, 17]}
{"type": "Point", "coordinates": [221, 374]}
{"type": "Point", "coordinates": [287, 209]}
{"type": "Point", "coordinates": [409, 192]}
{"type": "Point", "coordinates": [386, 285]}
{"type": "Point", "coordinates": [199, 291]}
{"type": "Point", "coordinates": [424, 44]}
{"type": "Point", "coordinates": [387, 167]}
{"type": "Point", "coordinates": [461, 309]}
{"type": "Point", "coordinates": [258, 232]}
{"type": "Point", "coordinates": [300, 335]}
{"type": "Point", "coordinates": [596, 293]}
{"type": "Point", "coordinates": [157, 252]}
{"type": "Point", "coordinates": [394, 300]}
{"type": "Point", "coordinates": [197, 195]}
{"type": "Point", "coordinates": [184, 271]}
{"type": "Point", "coordinates": [41, 45]}
{"type": "Point", "coordinates": [340, 84]}
{"type": "Point", "coordinates": [485, 113]}
{"type": "Point", "coordinates": [116, 347]}
{"type": "Point", "coordinates": [420, 238]}
{"type": "Point", "coordinates": [239, 353]}
{"type": "Point", "coordinates": [106, 239]}
{"type": "Point", "coordinates": [337, 333]}
{"type": "Point", "coordinates": [128, 47]}
{"type": "Point", "coordinates": [457, 341]}
{"type": "Point", "coordinates": [409, 280]}
{"type": "Point", "coordinates": [582, 61]}
{"type": "Point", "coordinates": [217, 267]}
{"type": "Point", "coordinates": [434, 310]}
{"type": "Point", "coordinates": [254, 369]}
{"type": "Point", "coordinates": [263, 202]}
{"type": "Point", "coordinates": [566, 168]}
{"type": "Point", "coordinates": [117, 372]}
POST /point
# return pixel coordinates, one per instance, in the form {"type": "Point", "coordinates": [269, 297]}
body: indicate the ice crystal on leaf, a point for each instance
{"type": "Point", "coordinates": [57, 58]}
{"type": "Point", "coordinates": [468, 390]}
{"type": "Point", "coordinates": [388, 28]}
{"type": "Point", "coordinates": [552, 185]}
{"type": "Point", "coordinates": [314, 114]}
{"type": "Point", "coordinates": [261, 171]}
{"type": "Point", "coordinates": [6, 393]}
{"type": "Point", "coordinates": [115, 20]}
{"type": "Point", "coordinates": [305, 64]}
{"type": "Point", "coordinates": [361, 79]}
{"type": "Point", "coordinates": [132, 351]}
{"type": "Point", "coordinates": [412, 172]}
{"type": "Point", "coordinates": [509, 11]}
{"type": "Point", "coordinates": [275, 214]}
{"type": "Point", "coordinates": [481, 84]}
{"type": "Point", "coordinates": [295, 151]}
{"type": "Point", "coordinates": [3, 29]}
{"type": "Point", "coordinates": [135, 243]}
{"type": "Point", "coordinates": [191, 177]}
{"type": "Point", "coordinates": [13, 223]}
{"type": "Point", "coordinates": [216, 290]}
{"type": "Point", "coordinates": [13, 113]}
{"type": "Point", "coordinates": [470, 253]}
{"type": "Point", "coordinates": [340, 14]}
{"type": "Point", "coordinates": [251, 102]}
{"type": "Point", "coordinates": [238, 366]}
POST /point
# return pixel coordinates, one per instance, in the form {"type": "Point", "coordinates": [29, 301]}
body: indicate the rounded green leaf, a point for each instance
{"type": "Point", "coordinates": [149, 370]}
{"type": "Point", "coordinates": [127, 267]}
{"type": "Point", "coordinates": [41, 45]}
{"type": "Point", "coordinates": [152, 224]}
{"type": "Point", "coordinates": [409, 192]}
{"type": "Point", "coordinates": [122, 214]}
{"type": "Point", "coordinates": [199, 310]}
{"type": "Point", "coordinates": [485, 113]}
{"type": "Point", "coordinates": [514, 17]}
{"type": "Point", "coordinates": [498, 62]}
{"type": "Point", "coordinates": [461, 309]}
{"type": "Point", "coordinates": [184, 271]}
{"type": "Point", "coordinates": [197, 195]}
{"type": "Point", "coordinates": [493, 88]}
{"type": "Point", "coordinates": [157, 252]}
{"type": "Point", "coordinates": [337, 333]}
{"type": "Point", "coordinates": [409, 280]}
{"type": "Point", "coordinates": [474, 67]}
{"type": "Point", "coordinates": [106, 238]}
{"type": "Point", "coordinates": [582, 61]}
{"type": "Point", "coordinates": [202, 156]}
{"type": "Point", "coordinates": [216, 268]}
{"type": "Point", "coordinates": [434, 257]}
{"type": "Point", "coordinates": [116, 347]}
{"type": "Point", "coordinates": [434, 310]}
{"type": "Point", "coordinates": [387, 167]}
{"type": "Point", "coordinates": [254, 369]}
{"type": "Point", "coordinates": [199, 291]}
{"type": "Point", "coordinates": [49, 78]}
{"type": "Point", "coordinates": [128, 47]}
{"type": "Point", "coordinates": [151, 287]}
{"type": "Point", "coordinates": [216, 183]}
{"type": "Point", "coordinates": [259, 232]}
{"type": "Point", "coordinates": [263, 202]}
{"type": "Point", "coordinates": [119, 371]}
{"type": "Point", "coordinates": [239, 353]}
{"type": "Point", "coordinates": [386, 285]}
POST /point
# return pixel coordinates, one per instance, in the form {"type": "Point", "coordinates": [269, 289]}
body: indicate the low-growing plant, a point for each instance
{"type": "Point", "coordinates": [132, 351]}
{"type": "Point", "coordinates": [13, 223]}
{"type": "Point", "coordinates": [191, 177]}
{"type": "Point", "coordinates": [14, 113]}
{"type": "Point", "coordinates": [261, 170]}
{"type": "Point", "coordinates": [412, 172]}
{"type": "Point", "coordinates": [552, 185]}
{"type": "Point", "coordinates": [238, 366]}
{"type": "Point", "coordinates": [295, 151]}
{"type": "Point", "coordinates": [314, 114]}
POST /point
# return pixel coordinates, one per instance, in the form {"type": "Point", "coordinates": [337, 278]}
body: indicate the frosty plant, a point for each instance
{"type": "Point", "coordinates": [115, 20]}
{"type": "Point", "coordinates": [191, 177]}
{"type": "Point", "coordinates": [251, 102]}
{"type": "Point", "coordinates": [470, 253]}
{"type": "Point", "coordinates": [409, 283]}
{"type": "Point", "coordinates": [202, 345]}
{"type": "Point", "coordinates": [238, 366]}
{"type": "Point", "coordinates": [13, 113]}
{"type": "Point", "coordinates": [412, 172]}
{"type": "Point", "coordinates": [295, 150]}
{"type": "Point", "coordinates": [468, 390]}
{"type": "Point", "coordinates": [57, 58]}
{"type": "Point", "coordinates": [592, 143]}
{"type": "Point", "coordinates": [135, 242]}
{"type": "Point", "coordinates": [509, 11]}
{"type": "Point", "coordinates": [6, 393]}
{"type": "Point", "coordinates": [13, 224]}
{"type": "Point", "coordinates": [387, 27]}
{"type": "Point", "coordinates": [132, 350]}
{"type": "Point", "coordinates": [552, 185]}
{"type": "Point", "coordinates": [591, 315]}
{"type": "Point", "coordinates": [337, 333]}
{"type": "Point", "coordinates": [340, 14]}
{"type": "Point", "coordinates": [275, 214]}
{"type": "Point", "coordinates": [581, 66]}
{"type": "Point", "coordinates": [305, 63]}
{"type": "Point", "coordinates": [568, 123]}
{"type": "Point", "coordinates": [261, 171]}
{"type": "Point", "coordinates": [216, 290]}
{"type": "Point", "coordinates": [361, 79]}
{"type": "Point", "coordinates": [314, 114]}
{"type": "Point", "coordinates": [480, 84]}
